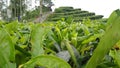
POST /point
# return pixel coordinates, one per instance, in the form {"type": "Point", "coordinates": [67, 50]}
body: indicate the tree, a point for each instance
{"type": "Point", "coordinates": [34, 14]}
{"type": "Point", "coordinates": [40, 9]}
{"type": "Point", "coordinates": [4, 10]}
{"type": "Point", "coordinates": [2, 4]}
{"type": "Point", "coordinates": [46, 3]}
{"type": "Point", "coordinates": [18, 8]}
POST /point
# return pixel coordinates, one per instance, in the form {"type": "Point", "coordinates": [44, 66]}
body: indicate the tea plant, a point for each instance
{"type": "Point", "coordinates": [64, 44]}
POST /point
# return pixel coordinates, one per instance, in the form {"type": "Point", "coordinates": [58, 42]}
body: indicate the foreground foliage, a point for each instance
{"type": "Point", "coordinates": [110, 38]}
{"type": "Point", "coordinates": [64, 44]}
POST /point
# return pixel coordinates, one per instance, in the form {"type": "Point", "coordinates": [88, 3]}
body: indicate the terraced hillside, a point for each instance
{"type": "Point", "coordinates": [75, 14]}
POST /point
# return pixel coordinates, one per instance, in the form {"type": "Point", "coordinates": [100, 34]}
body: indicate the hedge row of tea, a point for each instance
{"type": "Point", "coordinates": [75, 14]}
{"type": "Point", "coordinates": [88, 44]}
{"type": "Point", "coordinates": [48, 45]}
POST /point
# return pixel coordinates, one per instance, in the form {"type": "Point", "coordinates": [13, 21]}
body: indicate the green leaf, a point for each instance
{"type": "Point", "coordinates": [85, 29]}
{"type": "Point", "coordinates": [92, 38]}
{"type": "Point", "coordinates": [110, 38]}
{"type": "Point", "coordinates": [37, 37]}
{"type": "Point", "coordinates": [11, 27]}
{"type": "Point", "coordinates": [116, 56]}
{"type": "Point", "coordinates": [71, 51]}
{"type": "Point", "coordinates": [46, 62]}
{"type": "Point", "coordinates": [7, 51]}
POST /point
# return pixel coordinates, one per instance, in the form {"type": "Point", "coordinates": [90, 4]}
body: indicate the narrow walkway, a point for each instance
{"type": "Point", "coordinates": [43, 18]}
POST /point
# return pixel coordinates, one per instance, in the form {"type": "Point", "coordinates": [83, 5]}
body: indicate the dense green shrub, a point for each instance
{"type": "Point", "coordinates": [83, 14]}
{"type": "Point", "coordinates": [63, 9]}
{"type": "Point", "coordinates": [66, 7]}
{"type": "Point", "coordinates": [96, 17]}
{"type": "Point", "coordinates": [77, 14]}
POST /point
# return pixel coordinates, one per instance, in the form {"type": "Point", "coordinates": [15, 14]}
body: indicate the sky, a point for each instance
{"type": "Point", "coordinates": [100, 7]}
